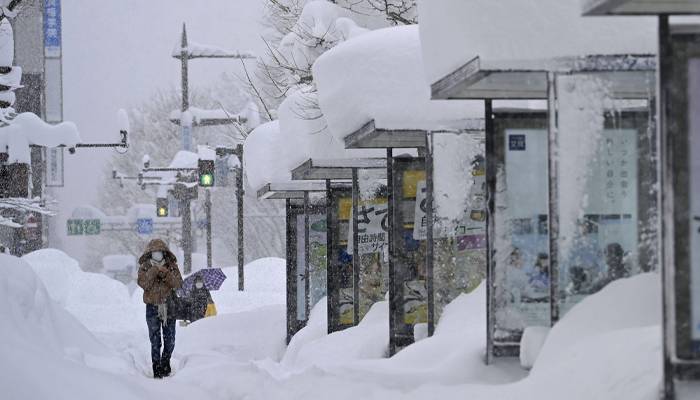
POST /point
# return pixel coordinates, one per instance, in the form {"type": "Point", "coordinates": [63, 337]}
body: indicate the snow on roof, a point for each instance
{"type": "Point", "coordinates": [27, 129]}
{"type": "Point", "coordinates": [204, 50]}
{"type": "Point", "coordinates": [453, 32]}
{"type": "Point", "coordinates": [383, 81]}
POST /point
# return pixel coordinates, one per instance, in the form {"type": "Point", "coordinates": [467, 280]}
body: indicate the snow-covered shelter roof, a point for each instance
{"type": "Point", "coordinates": [289, 190]}
{"type": "Point", "coordinates": [512, 36]}
{"type": "Point", "coordinates": [372, 137]}
{"type": "Point", "coordinates": [383, 81]}
{"type": "Point", "coordinates": [640, 7]}
{"type": "Point", "coordinates": [336, 169]}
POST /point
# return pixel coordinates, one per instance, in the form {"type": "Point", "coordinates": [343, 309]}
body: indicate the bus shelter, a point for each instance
{"type": "Point", "coordinates": [572, 188]}
{"type": "Point", "coordinates": [350, 293]}
{"type": "Point", "coordinates": [425, 272]}
{"type": "Point", "coordinates": [679, 131]}
{"type": "Point", "coordinates": [305, 244]}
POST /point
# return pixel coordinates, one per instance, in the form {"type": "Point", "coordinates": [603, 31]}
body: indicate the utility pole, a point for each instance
{"type": "Point", "coordinates": [239, 199]}
{"type": "Point", "coordinates": [185, 121]}
{"type": "Point", "coordinates": [207, 209]}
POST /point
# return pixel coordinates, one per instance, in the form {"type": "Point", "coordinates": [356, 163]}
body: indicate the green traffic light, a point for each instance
{"type": "Point", "coordinates": [162, 212]}
{"type": "Point", "coordinates": [206, 180]}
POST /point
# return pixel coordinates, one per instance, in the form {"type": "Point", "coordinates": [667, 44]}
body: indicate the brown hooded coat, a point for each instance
{"type": "Point", "coordinates": [158, 286]}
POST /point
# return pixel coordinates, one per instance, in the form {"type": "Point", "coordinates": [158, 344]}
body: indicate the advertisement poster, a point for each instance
{"type": "Point", "coordinates": [373, 248]}
{"type": "Point", "coordinates": [521, 275]}
{"type": "Point", "coordinates": [317, 258]}
{"type": "Point", "coordinates": [415, 306]}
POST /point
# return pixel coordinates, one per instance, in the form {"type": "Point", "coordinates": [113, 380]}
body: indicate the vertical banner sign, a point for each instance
{"type": "Point", "coordinates": [53, 81]}
{"type": "Point", "coordinates": [694, 135]}
{"type": "Point", "coordinates": [54, 167]}
{"type": "Point", "coordinates": [52, 28]}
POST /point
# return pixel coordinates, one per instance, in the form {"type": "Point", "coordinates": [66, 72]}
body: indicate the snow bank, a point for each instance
{"type": "Point", "coordinates": [249, 335]}
{"type": "Point", "coordinates": [312, 346]}
{"type": "Point", "coordinates": [383, 80]}
{"type": "Point", "coordinates": [48, 354]}
{"type": "Point", "coordinates": [265, 285]}
{"type": "Point", "coordinates": [453, 32]}
{"type": "Point", "coordinates": [622, 305]}
{"type": "Point", "coordinates": [100, 303]}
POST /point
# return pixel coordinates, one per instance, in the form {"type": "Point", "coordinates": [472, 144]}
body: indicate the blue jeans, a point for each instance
{"type": "Point", "coordinates": [154, 328]}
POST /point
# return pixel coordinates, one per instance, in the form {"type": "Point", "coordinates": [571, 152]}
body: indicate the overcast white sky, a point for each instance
{"type": "Point", "coordinates": [117, 53]}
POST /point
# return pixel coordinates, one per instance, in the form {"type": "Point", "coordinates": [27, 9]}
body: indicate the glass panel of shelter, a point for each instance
{"type": "Point", "coordinates": [408, 291]}
{"type": "Point", "coordinates": [605, 185]}
{"type": "Point", "coordinates": [520, 285]}
{"type": "Point", "coordinates": [296, 270]}
{"type": "Point", "coordinates": [457, 262]}
{"type": "Point", "coordinates": [341, 304]}
{"type": "Point", "coordinates": [316, 247]}
{"type": "Point", "coordinates": [682, 136]}
{"type": "Point", "coordinates": [372, 219]}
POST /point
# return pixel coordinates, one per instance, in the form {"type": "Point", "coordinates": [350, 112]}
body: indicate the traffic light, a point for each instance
{"type": "Point", "coordinates": [162, 207]}
{"type": "Point", "coordinates": [206, 173]}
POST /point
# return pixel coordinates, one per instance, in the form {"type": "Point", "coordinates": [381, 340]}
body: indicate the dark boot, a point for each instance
{"type": "Point", "coordinates": [165, 367]}
{"type": "Point", "coordinates": [157, 371]}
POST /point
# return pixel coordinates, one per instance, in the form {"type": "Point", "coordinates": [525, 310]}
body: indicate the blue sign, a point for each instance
{"type": "Point", "coordinates": [144, 226]}
{"type": "Point", "coordinates": [516, 142]}
{"type": "Point", "coordinates": [52, 28]}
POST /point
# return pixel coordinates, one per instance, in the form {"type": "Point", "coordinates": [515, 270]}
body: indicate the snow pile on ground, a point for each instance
{"type": "Point", "coordinates": [383, 80]}
{"type": "Point", "coordinates": [312, 346]}
{"type": "Point", "coordinates": [249, 335]}
{"type": "Point", "coordinates": [453, 32]}
{"type": "Point", "coordinates": [100, 303]}
{"type": "Point", "coordinates": [48, 354]}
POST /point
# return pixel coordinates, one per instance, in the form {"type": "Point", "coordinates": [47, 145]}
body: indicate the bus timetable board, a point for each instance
{"type": "Point", "coordinates": [408, 294]}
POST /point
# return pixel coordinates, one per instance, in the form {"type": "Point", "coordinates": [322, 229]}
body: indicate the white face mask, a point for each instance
{"type": "Point", "coordinates": [199, 285]}
{"type": "Point", "coordinates": [157, 256]}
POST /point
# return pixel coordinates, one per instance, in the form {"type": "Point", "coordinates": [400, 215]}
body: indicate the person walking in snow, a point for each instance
{"type": "Point", "coordinates": [159, 276]}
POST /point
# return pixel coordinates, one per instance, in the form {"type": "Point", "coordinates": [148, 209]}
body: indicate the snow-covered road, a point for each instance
{"type": "Point", "coordinates": [68, 334]}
